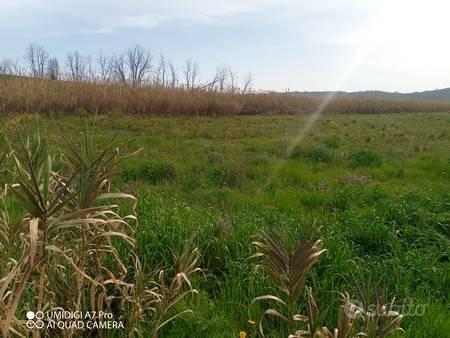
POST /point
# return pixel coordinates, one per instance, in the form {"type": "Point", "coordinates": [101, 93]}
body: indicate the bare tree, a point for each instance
{"type": "Point", "coordinates": [119, 70]}
{"type": "Point", "coordinates": [105, 67]}
{"type": "Point", "coordinates": [161, 72]}
{"type": "Point", "coordinates": [139, 62]}
{"type": "Point", "coordinates": [222, 75]}
{"type": "Point", "coordinates": [233, 80]}
{"type": "Point", "coordinates": [77, 66]}
{"type": "Point", "coordinates": [190, 73]}
{"type": "Point", "coordinates": [248, 83]}
{"type": "Point", "coordinates": [90, 68]}
{"type": "Point", "coordinates": [17, 68]}
{"type": "Point", "coordinates": [173, 75]}
{"type": "Point", "coordinates": [133, 66]}
{"type": "Point", "coordinates": [214, 83]}
{"type": "Point", "coordinates": [9, 67]}
{"type": "Point", "coordinates": [187, 73]}
{"type": "Point", "coordinates": [5, 67]}
{"type": "Point", "coordinates": [53, 69]}
{"type": "Point", "coordinates": [36, 57]}
{"type": "Point", "coordinates": [194, 74]}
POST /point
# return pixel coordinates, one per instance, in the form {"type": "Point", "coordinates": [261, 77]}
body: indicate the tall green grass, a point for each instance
{"type": "Point", "coordinates": [378, 185]}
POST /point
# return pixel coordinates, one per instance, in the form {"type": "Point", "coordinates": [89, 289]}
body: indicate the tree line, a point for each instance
{"type": "Point", "coordinates": [135, 66]}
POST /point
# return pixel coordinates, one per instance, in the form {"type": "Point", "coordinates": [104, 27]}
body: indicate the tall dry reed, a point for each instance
{"type": "Point", "coordinates": [22, 94]}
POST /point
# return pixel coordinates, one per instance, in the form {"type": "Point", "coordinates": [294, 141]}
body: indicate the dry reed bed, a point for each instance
{"type": "Point", "coordinates": [42, 96]}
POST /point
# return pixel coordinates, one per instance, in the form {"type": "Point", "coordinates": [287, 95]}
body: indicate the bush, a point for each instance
{"type": "Point", "coordinates": [370, 235]}
{"type": "Point", "coordinates": [373, 239]}
{"type": "Point", "coordinates": [153, 171]}
{"type": "Point", "coordinates": [365, 158]}
{"type": "Point", "coordinates": [314, 154]}
{"type": "Point", "coordinates": [224, 171]}
{"type": "Point", "coordinates": [332, 142]}
{"type": "Point", "coordinates": [223, 175]}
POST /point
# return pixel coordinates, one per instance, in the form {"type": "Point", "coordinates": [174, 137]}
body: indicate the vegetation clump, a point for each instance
{"type": "Point", "coordinates": [65, 242]}
{"type": "Point", "coordinates": [365, 158]}
{"type": "Point", "coordinates": [314, 154]}
{"type": "Point", "coordinates": [154, 171]}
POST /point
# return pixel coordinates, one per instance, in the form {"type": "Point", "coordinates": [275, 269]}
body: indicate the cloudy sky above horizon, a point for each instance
{"type": "Point", "coordinates": [298, 45]}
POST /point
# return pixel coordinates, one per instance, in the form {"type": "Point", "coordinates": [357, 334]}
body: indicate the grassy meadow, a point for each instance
{"type": "Point", "coordinates": [378, 185]}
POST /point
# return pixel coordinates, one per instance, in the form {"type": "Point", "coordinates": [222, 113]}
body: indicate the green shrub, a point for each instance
{"type": "Point", "coordinates": [157, 170]}
{"type": "Point", "coordinates": [373, 239]}
{"type": "Point", "coordinates": [365, 158]}
{"type": "Point", "coordinates": [332, 142]}
{"type": "Point", "coordinates": [154, 171]}
{"type": "Point", "coordinates": [369, 233]}
{"type": "Point", "coordinates": [225, 175]}
{"type": "Point", "coordinates": [314, 154]}
{"type": "Point", "coordinates": [130, 172]}
{"type": "Point", "coordinates": [224, 172]}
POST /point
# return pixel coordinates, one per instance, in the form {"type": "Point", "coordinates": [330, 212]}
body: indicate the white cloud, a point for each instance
{"type": "Point", "coordinates": [147, 14]}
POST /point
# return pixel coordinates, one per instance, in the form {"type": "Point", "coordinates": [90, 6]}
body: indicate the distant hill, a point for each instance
{"type": "Point", "coordinates": [437, 94]}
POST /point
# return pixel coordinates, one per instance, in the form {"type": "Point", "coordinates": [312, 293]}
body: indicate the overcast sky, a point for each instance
{"type": "Point", "coordinates": [395, 45]}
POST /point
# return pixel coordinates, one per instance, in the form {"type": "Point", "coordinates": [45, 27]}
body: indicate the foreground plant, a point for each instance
{"type": "Point", "coordinates": [155, 301]}
{"type": "Point", "coordinates": [377, 323]}
{"type": "Point", "coordinates": [288, 270]}
{"type": "Point", "coordinates": [65, 241]}
{"type": "Point", "coordinates": [64, 252]}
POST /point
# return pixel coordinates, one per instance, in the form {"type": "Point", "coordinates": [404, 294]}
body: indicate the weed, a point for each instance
{"type": "Point", "coordinates": [365, 158]}
{"type": "Point", "coordinates": [154, 171]}
{"type": "Point", "coordinates": [313, 154]}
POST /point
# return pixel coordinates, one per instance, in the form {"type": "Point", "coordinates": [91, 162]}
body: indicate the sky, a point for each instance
{"type": "Point", "coordinates": [395, 45]}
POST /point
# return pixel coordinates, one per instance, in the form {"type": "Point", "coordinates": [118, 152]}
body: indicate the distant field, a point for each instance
{"type": "Point", "coordinates": [378, 184]}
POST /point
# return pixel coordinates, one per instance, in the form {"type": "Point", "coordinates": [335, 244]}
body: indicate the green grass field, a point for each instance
{"type": "Point", "coordinates": [379, 185]}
